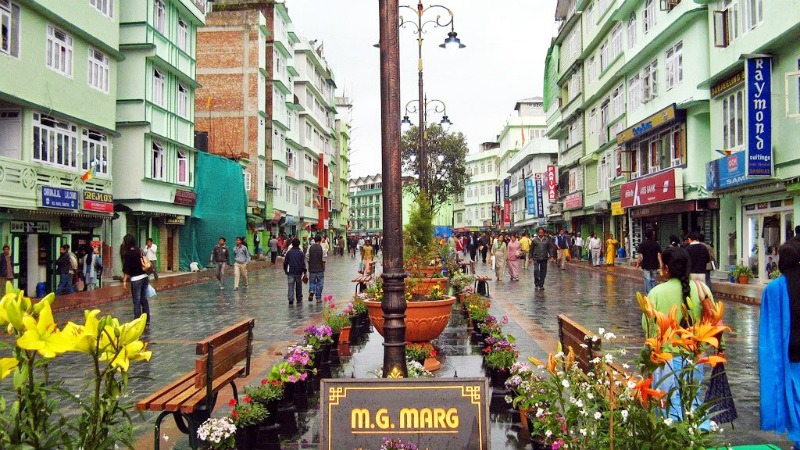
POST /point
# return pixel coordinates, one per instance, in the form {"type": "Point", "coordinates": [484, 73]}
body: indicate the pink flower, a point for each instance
{"type": "Point", "coordinates": [557, 445]}
{"type": "Point", "coordinates": [292, 379]}
{"type": "Point", "coordinates": [303, 376]}
{"type": "Point", "coordinates": [264, 381]}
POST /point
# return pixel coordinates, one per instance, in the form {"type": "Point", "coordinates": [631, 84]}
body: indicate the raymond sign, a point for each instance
{"type": "Point", "coordinates": [759, 117]}
{"type": "Point", "coordinates": [434, 413]}
{"type": "Point", "coordinates": [661, 187]}
{"type": "Point", "coordinates": [552, 184]}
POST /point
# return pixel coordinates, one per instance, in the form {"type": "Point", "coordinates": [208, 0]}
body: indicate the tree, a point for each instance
{"type": "Point", "coordinates": [447, 177]}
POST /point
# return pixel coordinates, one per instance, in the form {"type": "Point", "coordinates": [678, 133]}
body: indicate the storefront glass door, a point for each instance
{"type": "Point", "coordinates": [764, 233]}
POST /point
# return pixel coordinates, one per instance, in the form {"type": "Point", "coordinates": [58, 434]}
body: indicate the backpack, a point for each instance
{"type": "Point", "coordinates": [147, 266]}
{"type": "Point", "coordinates": [73, 262]}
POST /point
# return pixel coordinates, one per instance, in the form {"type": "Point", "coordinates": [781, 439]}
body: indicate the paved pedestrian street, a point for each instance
{"type": "Point", "coordinates": [590, 296]}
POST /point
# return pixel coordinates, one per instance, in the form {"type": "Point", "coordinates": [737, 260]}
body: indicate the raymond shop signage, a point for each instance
{"type": "Point", "coordinates": [573, 201]}
{"type": "Point", "coordinates": [759, 117]}
{"type": "Point", "coordinates": [661, 187]}
{"type": "Point", "coordinates": [59, 198]}
{"type": "Point", "coordinates": [434, 413]}
{"type": "Point", "coordinates": [552, 184]}
{"type": "Point", "coordinates": [98, 201]}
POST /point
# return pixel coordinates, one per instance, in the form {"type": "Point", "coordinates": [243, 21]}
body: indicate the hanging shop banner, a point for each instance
{"type": "Point", "coordinates": [539, 199]}
{"type": "Point", "coordinates": [435, 413]}
{"type": "Point", "coordinates": [185, 198]}
{"type": "Point", "coordinates": [497, 196]}
{"type": "Point", "coordinates": [98, 201]}
{"type": "Point", "coordinates": [728, 171]}
{"type": "Point", "coordinates": [573, 201]}
{"type": "Point", "coordinates": [552, 184]}
{"type": "Point", "coordinates": [494, 216]}
{"type": "Point", "coordinates": [59, 198]}
{"type": "Point", "coordinates": [507, 213]}
{"type": "Point", "coordinates": [759, 117]}
{"type": "Point", "coordinates": [506, 188]}
{"type": "Point", "coordinates": [616, 209]}
{"type": "Point", "coordinates": [530, 196]}
{"type": "Point", "coordinates": [661, 187]}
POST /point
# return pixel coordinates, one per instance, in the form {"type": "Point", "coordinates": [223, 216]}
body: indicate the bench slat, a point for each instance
{"type": "Point", "coordinates": [573, 334]}
{"type": "Point", "coordinates": [225, 357]}
{"type": "Point", "coordinates": [157, 400]}
{"type": "Point", "coordinates": [189, 404]}
{"type": "Point", "coordinates": [224, 336]}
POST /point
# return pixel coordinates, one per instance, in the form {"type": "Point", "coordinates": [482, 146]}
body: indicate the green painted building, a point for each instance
{"type": "Point", "coordinates": [58, 85]}
{"type": "Point", "coordinates": [154, 151]}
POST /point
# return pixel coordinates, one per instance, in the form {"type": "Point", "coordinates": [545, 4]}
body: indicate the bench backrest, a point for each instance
{"type": "Point", "coordinates": [572, 334]}
{"type": "Point", "coordinates": [221, 352]}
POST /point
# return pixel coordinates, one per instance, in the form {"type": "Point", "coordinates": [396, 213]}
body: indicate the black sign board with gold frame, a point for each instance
{"type": "Point", "coordinates": [433, 413]}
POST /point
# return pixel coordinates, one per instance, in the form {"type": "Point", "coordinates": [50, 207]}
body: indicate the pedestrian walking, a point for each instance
{"type": "Point", "coordinates": [133, 271]}
{"type": "Point", "coordinates": [256, 244]}
{"type": "Point", "coordinates": [316, 269]}
{"type": "Point", "coordinates": [64, 270]}
{"type": "Point", "coordinates": [578, 253]}
{"type": "Point", "coordinates": [222, 258]}
{"type": "Point", "coordinates": [484, 246]}
{"type": "Point", "coordinates": [273, 249]}
{"type": "Point", "coordinates": [611, 245]}
{"type": "Point", "coordinates": [514, 255]}
{"type": "Point", "coordinates": [367, 255]}
{"type": "Point", "coordinates": [92, 268]}
{"type": "Point", "coordinates": [525, 246]}
{"type": "Point", "coordinates": [684, 295]}
{"type": "Point", "coordinates": [595, 246]}
{"type": "Point", "coordinates": [241, 256]}
{"type": "Point", "coordinates": [649, 259]}
{"type": "Point", "coordinates": [151, 252]}
{"type": "Point", "coordinates": [542, 249]}
{"type": "Point", "coordinates": [779, 346]}
{"type": "Point", "coordinates": [323, 242]}
{"type": "Point", "coordinates": [499, 256]}
{"type": "Point", "coordinates": [6, 269]}
{"type": "Point", "coordinates": [699, 257]}
{"type": "Point", "coordinates": [294, 265]}
{"type": "Point", "coordinates": [562, 248]}
{"type": "Point", "coordinates": [712, 259]}
{"type": "Point", "coordinates": [674, 240]}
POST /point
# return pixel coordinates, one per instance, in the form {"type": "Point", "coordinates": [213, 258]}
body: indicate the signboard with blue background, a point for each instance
{"type": "Point", "coordinates": [728, 171]}
{"type": "Point", "coordinates": [530, 196]}
{"type": "Point", "coordinates": [59, 198]}
{"type": "Point", "coordinates": [759, 117]}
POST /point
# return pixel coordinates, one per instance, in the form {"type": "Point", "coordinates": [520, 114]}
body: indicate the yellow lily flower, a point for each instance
{"type": "Point", "coordinates": [43, 335]}
{"type": "Point", "coordinates": [134, 351]}
{"type": "Point", "coordinates": [7, 365]}
{"type": "Point", "coordinates": [14, 310]}
{"type": "Point", "coordinates": [49, 299]}
{"type": "Point", "coordinates": [84, 336]}
{"type": "Point", "coordinates": [131, 331]}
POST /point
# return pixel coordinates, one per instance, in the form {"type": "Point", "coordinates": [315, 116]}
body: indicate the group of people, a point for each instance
{"type": "Point", "coordinates": [281, 244]}
{"type": "Point", "coordinates": [305, 266]}
{"type": "Point", "coordinates": [81, 272]}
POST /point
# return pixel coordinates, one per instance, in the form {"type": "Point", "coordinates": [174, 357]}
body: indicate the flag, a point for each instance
{"type": "Point", "coordinates": [89, 173]}
{"type": "Point", "coordinates": [725, 152]}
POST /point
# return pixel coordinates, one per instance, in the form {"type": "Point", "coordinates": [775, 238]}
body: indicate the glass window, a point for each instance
{"type": "Point", "coordinates": [158, 88]}
{"type": "Point", "coordinates": [248, 180]}
{"type": "Point", "coordinates": [104, 6]}
{"type": "Point", "coordinates": [98, 70]}
{"type": "Point", "coordinates": [733, 120]}
{"type": "Point", "coordinates": [632, 30]}
{"type": "Point", "coordinates": [183, 101]}
{"type": "Point", "coordinates": [95, 151]}
{"type": "Point", "coordinates": [55, 141]}
{"type": "Point", "coordinates": [183, 36]}
{"type": "Point", "coordinates": [157, 170]}
{"type": "Point", "coordinates": [59, 51]}
{"type": "Point", "coordinates": [159, 15]}
{"type": "Point", "coordinates": [649, 15]}
{"type": "Point", "coordinates": [183, 168]}
{"type": "Point", "coordinates": [9, 24]}
{"type": "Point", "coordinates": [674, 65]}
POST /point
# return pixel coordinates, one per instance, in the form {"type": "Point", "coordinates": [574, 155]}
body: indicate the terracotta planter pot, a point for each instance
{"type": "Point", "coordinates": [744, 279]}
{"type": "Point", "coordinates": [425, 271]}
{"type": "Point", "coordinates": [424, 320]}
{"type": "Point", "coordinates": [344, 335]}
{"type": "Point", "coordinates": [423, 286]}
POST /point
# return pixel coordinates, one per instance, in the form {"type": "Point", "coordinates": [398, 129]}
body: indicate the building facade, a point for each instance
{"type": "Point", "coordinates": [366, 205]}
{"type": "Point", "coordinates": [154, 151]}
{"type": "Point", "coordinates": [340, 205]}
{"type": "Point", "coordinates": [59, 65]}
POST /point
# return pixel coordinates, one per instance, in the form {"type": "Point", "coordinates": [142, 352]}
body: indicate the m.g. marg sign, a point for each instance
{"type": "Point", "coordinates": [441, 413]}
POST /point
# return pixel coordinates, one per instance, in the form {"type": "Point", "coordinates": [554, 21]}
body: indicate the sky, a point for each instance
{"type": "Point", "coordinates": [503, 62]}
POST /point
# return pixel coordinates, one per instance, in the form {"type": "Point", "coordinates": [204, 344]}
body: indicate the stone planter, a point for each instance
{"type": "Point", "coordinates": [246, 437]}
{"type": "Point", "coordinates": [424, 320]}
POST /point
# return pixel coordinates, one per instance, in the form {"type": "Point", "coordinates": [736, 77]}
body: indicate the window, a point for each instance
{"type": "Point", "coordinates": [752, 14]}
{"type": "Point", "coordinates": [183, 168]}
{"type": "Point", "coordinates": [616, 43]}
{"type": "Point", "coordinates": [617, 102]}
{"type": "Point", "coordinates": [9, 24]}
{"type": "Point", "coordinates": [483, 189]}
{"type": "Point", "coordinates": [248, 179]}
{"type": "Point", "coordinates": [157, 171]}
{"type": "Point", "coordinates": [634, 92]}
{"type": "Point", "coordinates": [59, 51]}
{"type": "Point", "coordinates": [632, 30]}
{"type": "Point", "coordinates": [104, 6]}
{"type": "Point", "coordinates": [649, 15]}
{"type": "Point", "coordinates": [574, 133]}
{"type": "Point", "coordinates": [95, 151]}
{"type": "Point", "coordinates": [315, 170]}
{"type": "Point", "coordinates": [183, 101]}
{"type": "Point", "coordinates": [604, 173]}
{"type": "Point", "coordinates": [55, 141]}
{"type": "Point", "coordinates": [674, 65]}
{"type": "Point", "coordinates": [649, 82]}
{"type": "Point", "coordinates": [604, 119]}
{"type": "Point", "coordinates": [98, 70]}
{"type": "Point", "coordinates": [11, 133]}
{"type": "Point", "coordinates": [590, 19]}
{"type": "Point", "coordinates": [183, 36]}
{"type": "Point", "coordinates": [591, 70]}
{"type": "Point", "coordinates": [489, 168]}
{"type": "Point", "coordinates": [731, 26]}
{"type": "Point", "coordinates": [158, 88]}
{"type": "Point", "coordinates": [733, 120]}
{"type": "Point", "coordinates": [603, 56]}
{"type": "Point", "coordinates": [593, 121]}
{"type": "Point", "coordinates": [159, 15]}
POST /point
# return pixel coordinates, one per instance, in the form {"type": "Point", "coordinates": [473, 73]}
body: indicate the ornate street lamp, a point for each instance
{"type": "Point", "coordinates": [434, 106]}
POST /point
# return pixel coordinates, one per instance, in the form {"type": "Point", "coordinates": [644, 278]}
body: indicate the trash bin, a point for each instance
{"type": "Point", "coordinates": [41, 290]}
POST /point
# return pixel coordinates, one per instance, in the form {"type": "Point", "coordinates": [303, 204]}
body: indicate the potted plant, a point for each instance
{"type": "Point", "coordinates": [460, 281]}
{"type": "Point", "coordinates": [742, 273]}
{"type": "Point", "coordinates": [268, 394]}
{"type": "Point", "coordinates": [338, 321]}
{"type": "Point", "coordinates": [499, 355]}
{"type": "Point", "coordinates": [247, 415]}
{"type": "Point", "coordinates": [218, 433]}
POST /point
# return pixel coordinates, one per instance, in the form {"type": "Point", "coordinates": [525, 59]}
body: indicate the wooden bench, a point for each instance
{"type": "Point", "coordinates": [222, 358]}
{"type": "Point", "coordinates": [482, 284]}
{"type": "Point", "coordinates": [572, 334]}
{"type": "Point", "coordinates": [362, 280]}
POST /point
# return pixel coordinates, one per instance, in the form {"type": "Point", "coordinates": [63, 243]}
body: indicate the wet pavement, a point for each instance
{"type": "Point", "coordinates": [590, 296]}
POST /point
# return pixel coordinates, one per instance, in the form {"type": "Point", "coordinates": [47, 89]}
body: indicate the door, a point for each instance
{"type": "Point", "coordinates": [170, 248]}
{"type": "Point", "coordinates": [19, 261]}
{"type": "Point", "coordinates": [10, 133]}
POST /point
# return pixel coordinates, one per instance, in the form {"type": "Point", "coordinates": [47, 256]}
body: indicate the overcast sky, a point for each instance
{"type": "Point", "coordinates": [503, 62]}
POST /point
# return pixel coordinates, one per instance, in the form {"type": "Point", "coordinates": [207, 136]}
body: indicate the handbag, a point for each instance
{"type": "Point", "coordinates": [305, 278]}
{"type": "Point", "coordinates": [151, 291]}
{"type": "Point", "coordinates": [719, 395]}
{"type": "Point", "coordinates": [147, 266]}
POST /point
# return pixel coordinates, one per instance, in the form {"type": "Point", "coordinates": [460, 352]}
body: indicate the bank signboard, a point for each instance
{"type": "Point", "coordinates": [539, 198]}
{"type": "Point", "coordinates": [660, 187]}
{"type": "Point", "coordinates": [530, 196]}
{"type": "Point", "coordinates": [759, 116]}
{"type": "Point", "coordinates": [434, 413]}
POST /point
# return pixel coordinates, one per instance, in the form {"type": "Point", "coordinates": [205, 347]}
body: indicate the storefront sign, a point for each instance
{"type": "Point", "coordinates": [552, 184]}
{"type": "Point", "coordinates": [494, 216]}
{"type": "Point", "coordinates": [59, 198]}
{"type": "Point", "coordinates": [727, 172]}
{"type": "Point", "coordinates": [727, 84]}
{"type": "Point", "coordinates": [21, 226]}
{"type": "Point", "coordinates": [661, 187]}
{"type": "Point", "coordinates": [291, 220]}
{"type": "Point", "coordinates": [507, 213]}
{"type": "Point", "coordinates": [185, 198]}
{"type": "Point", "coordinates": [667, 209]}
{"type": "Point", "coordinates": [615, 193]}
{"type": "Point", "coordinates": [506, 188]}
{"type": "Point", "coordinates": [573, 201]}
{"type": "Point", "coordinates": [175, 220]}
{"type": "Point", "coordinates": [662, 117]}
{"type": "Point", "coordinates": [530, 196]}
{"type": "Point", "coordinates": [434, 413]}
{"type": "Point", "coordinates": [98, 201]}
{"type": "Point", "coordinates": [759, 117]}
{"type": "Point", "coordinates": [497, 196]}
{"type": "Point", "coordinates": [616, 209]}
{"type": "Point", "coordinates": [539, 199]}
{"type": "Point", "coordinates": [84, 224]}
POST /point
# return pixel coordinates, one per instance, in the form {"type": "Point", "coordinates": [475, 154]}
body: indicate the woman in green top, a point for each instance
{"type": "Point", "coordinates": [676, 291]}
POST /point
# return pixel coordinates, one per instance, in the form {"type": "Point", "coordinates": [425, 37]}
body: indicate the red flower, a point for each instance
{"type": "Point", "coordinates": [234, 414]}
{"type": "Point", "coordinates": [247, 399]}
{"type": "Point", "coordinates": [264, 381]}
{"type": "Point", "coordinates": [232, 402]}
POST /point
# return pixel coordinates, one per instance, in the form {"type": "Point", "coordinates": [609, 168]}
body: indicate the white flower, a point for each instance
{"type": "Point", "coordinates": [590, 396]}
{"type": "Point", "coordinates": [714, 426]}
{"type": "Point", "coordinates": [596, 360]}
{"type": "Point", "coordinates": [623, 352]}
{"type": "Point", "coordinates": [548, 433]}
{"type": "Point", "coordinates": [584, 346]}
{"type": "Point", "coordinates": [583, 431]}
{"type": "Point", "coordinates": [597, 415]}
{"type": "Point", "coordinates": [609, 336]}
{"type": "Point", "coordinates": [626, 367]}
{"type": "Point", "coordinates": [631, 385]}
{"type": "Point", "coordinates": [595, 338]}
{"type": "Point", "coordinates": [539, 412]}
{"type": "Point", "coordinates": [558, 355]}
{"type": "Point", "coordinates": [624, 414]}
{"type": "Point", "coordinates": [609, 358]}
{"type": "Point", "coordinates": [565, 383]}
{"type": "Point", "coordinates": [579, 403]}
{"type": "Point", "coordinates": [668, 422]}
{"type": "Point", "coordinates": [601, 330]}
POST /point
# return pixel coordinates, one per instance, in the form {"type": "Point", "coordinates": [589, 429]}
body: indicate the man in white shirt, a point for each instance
{"type": "Point", "coordinates": [594, 249]}
{"type": "Point", "coordinates": [151, 252]}
{"type": "Point", "coordinates": [578, 253]}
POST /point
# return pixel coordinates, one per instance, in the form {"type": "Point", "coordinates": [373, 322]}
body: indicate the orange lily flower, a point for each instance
{"type": "Point", "coordinates": [707, 333]}
{"type": "Point", "coordinates": [645, 392]}
{"type": "Point", "coordinates": [714, 314]}
{"type": "Point", "coordinates": [551, 363]}
{"type": "Point", "coordinates": [712, 360]}
{"type": "Point", "coordinates": [645, 305]}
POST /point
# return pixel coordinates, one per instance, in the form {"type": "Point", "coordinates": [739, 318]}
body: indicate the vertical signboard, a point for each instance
{"type": "Point", "coordinates": [759, 117]}
{"type": "Point", "coordinates": [530, 196]}
{"type": "Point", "coordinates": [539, 199]}
{"type": "Point", "coordinates": [552, 184]}
{"type": "Point", "coordinates": [497, 196]}
{"type": "Point", "coordinates": [507, 202]}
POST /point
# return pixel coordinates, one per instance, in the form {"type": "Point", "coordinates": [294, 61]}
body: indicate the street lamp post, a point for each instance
{"type": "Point", "coordinates": [452, 41]}
{"type": "Point", "coordinates": [434, 106]}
